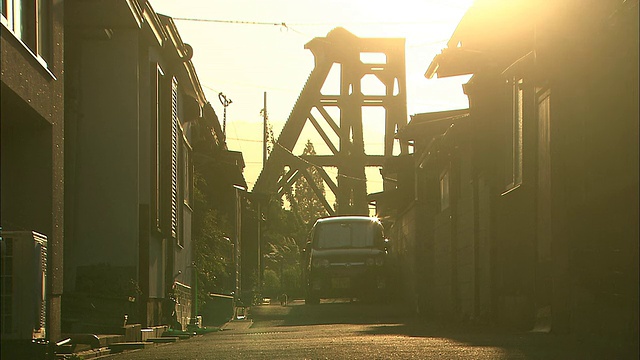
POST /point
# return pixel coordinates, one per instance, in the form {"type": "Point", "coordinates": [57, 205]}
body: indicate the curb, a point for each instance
{"type": "Point", "coordinates": [117, 348]}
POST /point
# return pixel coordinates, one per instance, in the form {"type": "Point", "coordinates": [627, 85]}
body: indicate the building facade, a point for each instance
{"type": "Point", "coordinates": [530, 202]}
{"type": "Point", "coordinates": [134, 104]}
{"type": "Point", "coordinates": [32, 119]}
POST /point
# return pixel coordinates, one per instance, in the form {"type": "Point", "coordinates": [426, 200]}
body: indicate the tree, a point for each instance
{"type": "Point", "coordinates": [280, 236]}
{"type": "Point", "coordinates": [307, 204]}
{"type": "Point", "coordinates": [285, 231]}
{"type": "Point", "coordinates": [271, 139]}
{"type": "Point", "coordinates": [213, 255]}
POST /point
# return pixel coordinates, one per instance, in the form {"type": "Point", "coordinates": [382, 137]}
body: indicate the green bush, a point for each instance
{"type": "Point", "coordinates": [271, 284]}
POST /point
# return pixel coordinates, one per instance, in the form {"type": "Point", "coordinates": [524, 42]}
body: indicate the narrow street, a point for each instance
{"type": "Point", "coordinates": [350, 330]}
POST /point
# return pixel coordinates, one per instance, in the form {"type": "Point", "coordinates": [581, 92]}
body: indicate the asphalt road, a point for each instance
{"type": "Point", "coordinates": [351, 330]}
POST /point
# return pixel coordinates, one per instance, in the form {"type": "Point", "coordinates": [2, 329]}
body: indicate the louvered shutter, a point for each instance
{"type": "Point", "coordinates": [174, 158]}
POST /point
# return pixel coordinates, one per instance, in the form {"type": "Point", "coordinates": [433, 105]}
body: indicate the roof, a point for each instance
{"type": "Point", "coordinates": [347, 218]}
{"type": "Point", "coordinates": [184, 52]}
{"type": "Point", "coordinates": [492, 33]}
{"type": "Point", "coordinates": [433, 123]}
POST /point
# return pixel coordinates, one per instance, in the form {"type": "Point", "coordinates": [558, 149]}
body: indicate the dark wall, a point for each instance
{"type": "Point", "coordinates": [595, 173]}
{"type": "Point", "coordinates": [103, 128]}
{"type": "Point", "coordinates": [26, 156]}
{"type": "Point", "coordinates": [250, 251]}
{"type": "Point", "coordinates": [32, 131]}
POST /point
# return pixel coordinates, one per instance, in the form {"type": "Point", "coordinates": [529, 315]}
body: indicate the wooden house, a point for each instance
{"type": "Point", "coordinates": [531, 201]}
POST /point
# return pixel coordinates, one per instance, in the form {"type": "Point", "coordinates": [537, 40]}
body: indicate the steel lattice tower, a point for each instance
{"type": "Point", "coordinates": [283, 168]}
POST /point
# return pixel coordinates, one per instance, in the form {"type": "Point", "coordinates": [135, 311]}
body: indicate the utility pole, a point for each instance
{"type": "Point", "coordinates": [225, 102]}
{"type": "Point", "coordinates": [264, 131]}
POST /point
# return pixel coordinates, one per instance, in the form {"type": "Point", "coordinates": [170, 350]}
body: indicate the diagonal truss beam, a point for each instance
{"type": "Point", "coordinates": [318, 192]}
{"type": "Point", "coordinates": [328, 119]}
{"type": "Point", "coordinates": [287, 181]}
{"type": "Point", "coordinates": [323, 134]}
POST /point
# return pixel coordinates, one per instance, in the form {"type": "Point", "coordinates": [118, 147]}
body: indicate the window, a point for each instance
{"type": "Point", "coordinates": [444, 190]}
{"type": "Point", "coordinates": [544, 234]}
{"type": "Point", "coordinates": [157, 99]}
{"type": "Point", "coordinates": [44, 30]}
{"type": "Point", "coordinates": [187, 174]}
{"type": "Point", "coordinates": [184, 211]}
{"type": "Point", "coordinates": [513, 134]}
{"type": "Point", "coordinates": [30, 21]}
{"type": "Point", "coordinates": [348, 234]}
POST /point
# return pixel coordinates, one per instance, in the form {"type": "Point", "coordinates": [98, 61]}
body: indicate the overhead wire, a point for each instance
{"type": "Point", "coordinates": [288, 25]}
{"type": "Point", "coordinates": [316, 165]}
{"type": "Point", "coordinates": [241, 22]}
{"type": "Point", "coordinates": [304, 160]}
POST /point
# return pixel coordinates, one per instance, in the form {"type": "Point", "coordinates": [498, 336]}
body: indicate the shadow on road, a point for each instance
{"type": "Point", "coordinates": [338, 311]}
{"type": "Point", "coordinates": [396, 320]}
{"type": "Point", "coordinates": [343, 311]}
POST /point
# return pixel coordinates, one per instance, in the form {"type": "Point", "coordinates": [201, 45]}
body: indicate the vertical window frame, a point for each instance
{"type": "Point", "coordinates": [518, 122]}
{"type": "Point", "coordinates": [543, 113]}
{"type": "Point", "coordinates": [187, 174]}
{"type": "Point", "coordinates": [6, 13]}
{"type": "Point", "coordinates": [43, 30]}
{"type": "Point", "coordinates": [445, 189]}
{"type": "Point", "coordinates": [160, 115]}
{"type": "Point", "coordinates": [514, 125]}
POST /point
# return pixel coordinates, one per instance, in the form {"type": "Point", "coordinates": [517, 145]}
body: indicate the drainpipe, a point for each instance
{"type": "Point", "coordinates": [476, 243]}
{"type": "Point", "coordinates": [238, 189]}
{"type": "Point", "coordinates": [194, 312]}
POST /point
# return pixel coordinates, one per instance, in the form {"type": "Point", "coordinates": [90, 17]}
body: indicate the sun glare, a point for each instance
{"type": "Point", "coordinates": [413, 20]}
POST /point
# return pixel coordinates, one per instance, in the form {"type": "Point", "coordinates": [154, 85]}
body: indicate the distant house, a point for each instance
{"type": "Point", "coordinates": [530, 202]}
{"type": "Point", "coordinates": [135, 109]}
{"type": "Point", "coordinates": [32, 158]}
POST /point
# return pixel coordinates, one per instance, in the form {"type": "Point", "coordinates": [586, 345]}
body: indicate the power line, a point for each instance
{"type": "Point", "coordinates": [246, 140]}
{"type": "Point", "coordinates": [210, 88]}
{"type": "Point", "coordinates": [260, 141]}
{"type": "Point", "coordinates": [240, 22]}
{"type": "Point", "coordinates": [288, 25]}
{"type": "Point", "coordinates": [316, 165]}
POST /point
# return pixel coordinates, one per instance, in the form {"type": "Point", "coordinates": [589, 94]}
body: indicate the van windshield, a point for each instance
{"type": "Point", "coordinates": [348, 235]}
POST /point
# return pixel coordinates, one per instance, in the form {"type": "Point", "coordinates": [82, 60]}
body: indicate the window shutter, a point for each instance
{"type": "Point", "coordinates": [174, 158]}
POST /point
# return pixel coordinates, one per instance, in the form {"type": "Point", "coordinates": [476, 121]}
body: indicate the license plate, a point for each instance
{"type": "Point", "coordinates": [340, 283]}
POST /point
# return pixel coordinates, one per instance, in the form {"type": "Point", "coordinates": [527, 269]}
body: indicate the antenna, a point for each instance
{"type": "Point", "coordinates": [225, 102]}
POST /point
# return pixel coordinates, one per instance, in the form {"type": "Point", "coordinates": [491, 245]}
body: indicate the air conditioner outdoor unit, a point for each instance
{"type": "Point", "coordinates": [24, 285]}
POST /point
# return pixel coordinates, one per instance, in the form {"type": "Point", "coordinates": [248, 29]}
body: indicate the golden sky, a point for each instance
{"type": "Point", "coordinates": [243, 52]}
